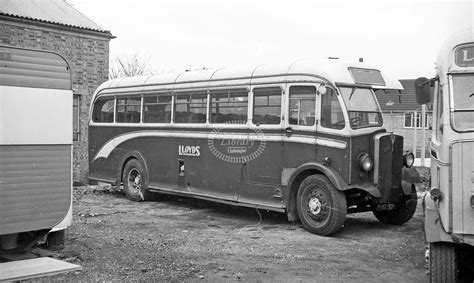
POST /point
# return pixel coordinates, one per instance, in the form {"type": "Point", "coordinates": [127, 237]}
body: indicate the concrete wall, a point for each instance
{"type": "Point", "coordinates": [88, 56]}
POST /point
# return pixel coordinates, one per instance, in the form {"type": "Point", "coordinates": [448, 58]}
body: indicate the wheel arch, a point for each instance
{"type": "Point", "coordinates": [297, 177]}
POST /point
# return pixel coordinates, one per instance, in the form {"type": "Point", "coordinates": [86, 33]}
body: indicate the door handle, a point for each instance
{"type": "Point", "coordinates": [288, 131]}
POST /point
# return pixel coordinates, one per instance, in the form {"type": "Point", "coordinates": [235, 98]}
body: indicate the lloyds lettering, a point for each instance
{"type": "Point", "coordinates": [465, 57]}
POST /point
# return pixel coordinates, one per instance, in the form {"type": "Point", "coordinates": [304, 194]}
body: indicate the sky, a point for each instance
{"type": "Point", "coordinates": [402, 37]}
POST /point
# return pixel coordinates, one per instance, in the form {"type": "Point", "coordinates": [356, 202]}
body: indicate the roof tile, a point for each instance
{"type": "Point", "coordinates": [49, 11]}
{"type": "Point", "coordinates": [394, 101]}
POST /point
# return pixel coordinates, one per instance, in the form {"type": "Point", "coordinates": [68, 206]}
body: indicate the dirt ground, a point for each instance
{"type": "Point", "coordinates": [180, 239]}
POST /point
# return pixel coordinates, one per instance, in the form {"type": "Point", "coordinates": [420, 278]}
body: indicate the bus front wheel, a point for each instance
{"type": "Point", "coordinates": [404, 212]}
{"type": "Point", "coordinates": [443, 262]}
{"type": "Point", "coordinates": [321, 207]}
{"type": "Point", "coordinates": [135, 182]}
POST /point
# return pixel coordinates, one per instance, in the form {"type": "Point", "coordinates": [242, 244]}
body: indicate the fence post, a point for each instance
{"type": "Point", "coordinates": [415, 120]}
{"type": "Point", "coordinates": [423, 130]}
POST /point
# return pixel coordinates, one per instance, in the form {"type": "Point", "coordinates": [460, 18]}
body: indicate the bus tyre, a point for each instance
{"type": "Point", "coordinates": [135, 182]}
{"type": "Point", "coordinates": [443, 262]}
{"type": "Point", "coordinates": [321, 207]}
{"type": "Point", "coordinates": [404, 212]}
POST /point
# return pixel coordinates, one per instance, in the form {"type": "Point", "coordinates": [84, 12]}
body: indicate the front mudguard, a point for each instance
{"type": "Point", "coordinates": [432, 225]}
{"type": "Point", "coordinates": [410, 176]}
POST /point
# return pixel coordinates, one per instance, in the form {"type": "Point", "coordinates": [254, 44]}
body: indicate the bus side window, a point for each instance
{"type": "Point", "coordinates": [103, 110]}
{"type": "Point", "coordinates": [157, 109]}
{"type": "Point", "coordinates": [128, 110]}
{"type": "Point", "coordinates": [191, 107]}
{"type": "Point", "coordinates": [331, 111]}
{"type": "Point", "coordinates": [229, 106]}
{"type": "Point", "coordinates": [267, 105]}
{"type": "Point", "coordinates": [302, 105]}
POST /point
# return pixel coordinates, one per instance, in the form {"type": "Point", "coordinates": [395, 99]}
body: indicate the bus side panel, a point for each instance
{"type": "Point", "coordinates": [463, 187]}
{"type": "Point", "coordinates": [35, 186]}
{"type": "Point", "coordinates": [261, 179]}
{"type": "Point", "coordinates": [206, 173]}
{"type": "Point", "coordinates": [339, 159]}
{"type": "Point", "coordinates": [103, 167]}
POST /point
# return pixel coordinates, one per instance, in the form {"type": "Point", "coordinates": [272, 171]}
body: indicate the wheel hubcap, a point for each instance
{"type": "Point", "coordinates": [135, 179]}
{"type": "Point", "coordinates": [317, 206]}
{"type": "Point", "coordinates": [314, 205]}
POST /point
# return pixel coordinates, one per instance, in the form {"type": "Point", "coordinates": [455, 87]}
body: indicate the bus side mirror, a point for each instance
{"type": "Point", "coordinates": [422, 90]}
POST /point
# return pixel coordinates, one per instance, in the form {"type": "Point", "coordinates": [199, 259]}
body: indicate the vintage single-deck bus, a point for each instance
{"type": "Point", "coordinates": [35, 147]}
{"type": "Point", "coordinates": [449, 207]}
{"type": "Point", "coordinates": [305, 138]}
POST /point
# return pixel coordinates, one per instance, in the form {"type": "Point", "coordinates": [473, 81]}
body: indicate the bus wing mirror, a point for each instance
{"type": "Point", "coordinates": [422, 90]}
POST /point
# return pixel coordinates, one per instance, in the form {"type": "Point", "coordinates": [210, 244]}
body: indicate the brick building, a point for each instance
{"type": "Point", "coordinates": [55, 25]}
{"type": "Point", "coordinates": [399, 110]}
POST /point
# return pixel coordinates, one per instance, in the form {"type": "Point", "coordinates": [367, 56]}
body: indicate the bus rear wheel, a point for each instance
{"type": "Point", "coordinates": [135, 182]}
{"type": "Point", "coordinates": [404, 212]}
{"type": "Point", "coordinates": [321, 207]}
{"type": "Point", "coordinates": [443, 262]}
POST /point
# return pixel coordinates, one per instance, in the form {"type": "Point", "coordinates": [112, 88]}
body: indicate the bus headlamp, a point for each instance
{"type": "Point", "coordinates": [408, 159]}
{"type": "Point", "coordinates": [365, 162]}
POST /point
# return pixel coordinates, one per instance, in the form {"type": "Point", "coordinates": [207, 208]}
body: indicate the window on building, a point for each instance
{"type": "Point", "coordinates": [103, 111]}
{"type": "Point", "coordinates": [229, 106]}
{"type": "Point", "coordinates": [191, 107]}
{"type": "Point", "coordinates": [302, 105]}
{"type": "Point", "coordinates": [157, 109]}
{"type": "Point", "coordinates": [267, 105]}
{"type": "Point", "coordinates": [76, 114]}
{"type": "Point", "coordinates": [128, 110]}
{"type": "Point", "coordinates": [331, 111]}
{"type": "Point", "coordinates": [411, 123]}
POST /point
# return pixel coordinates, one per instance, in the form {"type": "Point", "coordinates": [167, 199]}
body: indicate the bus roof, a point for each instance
{"type": "Point", "coordinates": [446, 56]}
{"type": "Point", "coordinates": [334, 71]}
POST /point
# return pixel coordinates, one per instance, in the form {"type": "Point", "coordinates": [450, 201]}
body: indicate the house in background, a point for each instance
{"type": "Point", "coordinates": [402, 115]}
{"type": "Point", "coordinates": [57, 26]}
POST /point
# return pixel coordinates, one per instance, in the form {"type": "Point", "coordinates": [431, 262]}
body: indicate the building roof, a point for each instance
{"type": "Point", "coordinates": [395, 101]}
{"type": "Point", "coordinates": [57, 12]}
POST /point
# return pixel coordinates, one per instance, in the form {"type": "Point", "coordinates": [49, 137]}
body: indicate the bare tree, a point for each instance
{"type": "Point", "coordinates": [129, 66]}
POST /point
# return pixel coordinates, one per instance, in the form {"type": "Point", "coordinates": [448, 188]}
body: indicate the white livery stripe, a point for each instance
{"type": "Point", "coordinates": [109, 146]}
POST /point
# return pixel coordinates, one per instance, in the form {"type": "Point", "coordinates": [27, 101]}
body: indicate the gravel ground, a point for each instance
{"type": "Point", "coordinates": [181, 239]}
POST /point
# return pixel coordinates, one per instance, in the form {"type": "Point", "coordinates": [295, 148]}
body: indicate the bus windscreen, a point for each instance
{"type": "Point", "coordinates": [463, 102]}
